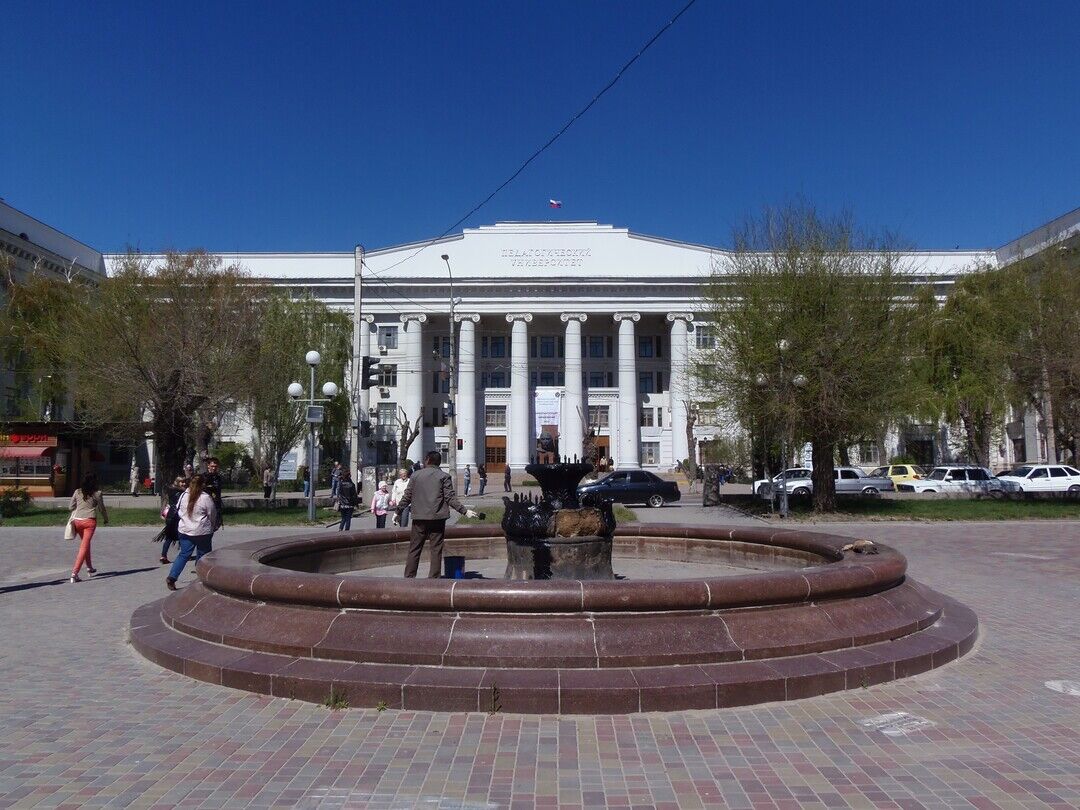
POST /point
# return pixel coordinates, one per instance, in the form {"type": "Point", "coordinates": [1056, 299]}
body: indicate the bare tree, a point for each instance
{"type": "Point", "coordinates": [408, 433]}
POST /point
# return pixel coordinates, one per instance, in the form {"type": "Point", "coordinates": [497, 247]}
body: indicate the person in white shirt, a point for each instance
{"type": "Point", "coordinates": [398, 492]}
{"type": "Point", "coordinates": [198, 517]}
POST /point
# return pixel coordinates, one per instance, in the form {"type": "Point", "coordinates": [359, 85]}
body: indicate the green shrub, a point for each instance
{"type": "Point", "coordinates": [14, 502]}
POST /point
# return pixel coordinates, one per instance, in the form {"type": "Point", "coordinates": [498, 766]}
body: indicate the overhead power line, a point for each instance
{"type": "Point", "coordinates": [547, 144]}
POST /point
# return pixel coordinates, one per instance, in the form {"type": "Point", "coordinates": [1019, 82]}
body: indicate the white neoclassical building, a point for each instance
{"type": "Point", "coordinates": [559, 326]}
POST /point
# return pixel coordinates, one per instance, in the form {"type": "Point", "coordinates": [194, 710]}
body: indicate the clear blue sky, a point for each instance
{"type": "Point", "coordinates": [315, 126]}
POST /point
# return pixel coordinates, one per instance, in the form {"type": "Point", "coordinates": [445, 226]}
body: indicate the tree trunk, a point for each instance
{"type": "Point", "coordinates": [845, 455]}
{"type": "Point", "coordinates": [409, 432]}
{"type": "Point", "coordinates": [691, 461]}
{"type": "Point", "coordinates": [170, 447]}
{"type": "Point", "coordinates": [823, 476]}
{"type": "Point", "coordinates": [1048, 417]}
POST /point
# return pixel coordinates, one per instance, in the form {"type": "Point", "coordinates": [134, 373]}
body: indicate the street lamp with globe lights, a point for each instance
{"type": "Point", "coordinates": [784, 388]}
{"type": "Point", "coordinates": [314, 416]}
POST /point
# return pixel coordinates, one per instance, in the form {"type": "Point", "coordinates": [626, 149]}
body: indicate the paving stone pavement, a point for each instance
{"type": "Point", "coordinates": [86, 722]}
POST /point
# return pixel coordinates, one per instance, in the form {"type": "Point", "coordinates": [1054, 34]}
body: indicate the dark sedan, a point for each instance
{"type": "Point", "coordinates": [633, 486]}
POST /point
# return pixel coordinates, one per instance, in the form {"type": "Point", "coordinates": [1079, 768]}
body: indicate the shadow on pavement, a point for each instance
{"type": "Point", "coordinates": [27, 586]}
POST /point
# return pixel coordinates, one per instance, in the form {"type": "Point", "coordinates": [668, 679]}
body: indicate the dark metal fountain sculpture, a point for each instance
{"type": "Point", "coordinates": [556, 536]}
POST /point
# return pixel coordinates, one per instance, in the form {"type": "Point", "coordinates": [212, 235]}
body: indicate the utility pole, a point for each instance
{"type": "Point", "coordinates": [451, 417]}
{"type": "Point", "coordinates": [359, 408]}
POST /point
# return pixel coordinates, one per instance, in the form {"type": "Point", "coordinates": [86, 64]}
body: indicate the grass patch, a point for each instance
{"type": "Point", "coordinates": [494, 515]}
{"type": "Point", "coordinates": [936, 509]}
{"type": "Point", "coordinates": [141, 516]}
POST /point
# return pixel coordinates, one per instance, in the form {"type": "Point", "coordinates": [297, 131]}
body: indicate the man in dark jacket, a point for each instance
{"type": "Point", "coordinates": [431, 496]}
{"type": "Point", "coordinates": [348, 499]}
{"type": "Point", "coordinates": [212, 487]}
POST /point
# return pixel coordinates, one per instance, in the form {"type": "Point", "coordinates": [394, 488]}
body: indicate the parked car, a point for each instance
{"type": "Point", "coordinates": [763, 486]}
{"type": "Point", "coordinates": [633, 486]}
{"type": "Point", "coordinates": [957, 478]}
{"type": "Point", "coordinates": [1044, 478]}
{"type": "Point", "coordinates": [899, 473]}
{"type": "Point", "coordinates": [849, 481]}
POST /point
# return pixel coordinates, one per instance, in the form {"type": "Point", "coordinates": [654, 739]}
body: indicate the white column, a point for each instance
{"type": "Point", "coordinates": [572, 431]}
{"type": "Point", "coordinates": [678, 387]}
{"type": "Point", "coordinates": [520, 441]}
{"type": "Point", "coordinates": [466, 389]}
{"type": "Point", "coordinates": [411, 373]}
{"type": "Point", "coordinates": [629, 457]}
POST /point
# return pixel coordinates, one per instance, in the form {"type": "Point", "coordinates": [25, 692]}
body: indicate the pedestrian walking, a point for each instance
{"type": "Point", "coordinates": [506, 479]}
{"type": "Point", "coordinates": [380, 504]}
{"type": "Point", "coordinates": [135, 479]}
{"type": "Point", "coordinates": [468, 480]}
{"type": "Point", "coordinates": [481, 473]}
{"type": "Point", "coordinates": [212, 486]}
{"type": "Point", "coordinates": [397, 493]}
{"type": "Point", "coordinates": [85, 505]}
{"type": "Point", "coordinates": [335, 479]}
{"type": "Point", "coordinates": [431, 496]}
{"type": "Point", "coordinates": [306, 476]}
{"type": "Point", "coordinates": [348, 500]}
{"type": "Point", "coordinates": [198, 519]}
{"type": "Point", "coordinates": [171, 532]}
{"type": "Point", "coordinates": [268, 484]}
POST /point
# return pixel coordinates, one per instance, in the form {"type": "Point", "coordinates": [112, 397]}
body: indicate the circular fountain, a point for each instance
{"type": "Point", "coordinates": [766, 615]}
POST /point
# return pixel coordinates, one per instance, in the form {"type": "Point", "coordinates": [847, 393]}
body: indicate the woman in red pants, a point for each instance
{"type": "Point", "coordinates": [85, 504]}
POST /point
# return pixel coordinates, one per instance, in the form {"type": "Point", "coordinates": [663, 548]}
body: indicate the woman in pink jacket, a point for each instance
{"type": "Point", "coordinates": [380, 505]}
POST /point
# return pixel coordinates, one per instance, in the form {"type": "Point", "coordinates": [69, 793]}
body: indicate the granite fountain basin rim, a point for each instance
{"type": "Point", "coordinates": [253, 570]}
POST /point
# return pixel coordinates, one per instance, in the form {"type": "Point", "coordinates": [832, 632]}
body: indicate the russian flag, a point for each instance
{"type": "Point", "coordinates": [555, 203]}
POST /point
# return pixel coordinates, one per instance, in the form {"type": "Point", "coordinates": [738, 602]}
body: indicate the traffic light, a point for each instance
{"type": "Point", "coordinates": [369, 376]}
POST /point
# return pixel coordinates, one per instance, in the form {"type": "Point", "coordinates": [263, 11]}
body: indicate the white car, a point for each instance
{"type": "Point", "coordinates": [956, 479]}
{"type": "Point", "coordinates": [1044, 478]}
{"type": "Point", "coordinates": [763, 486]}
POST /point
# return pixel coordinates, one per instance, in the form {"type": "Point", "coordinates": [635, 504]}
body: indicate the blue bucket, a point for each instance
{"type": "Point", "coordinates": [454, 567]}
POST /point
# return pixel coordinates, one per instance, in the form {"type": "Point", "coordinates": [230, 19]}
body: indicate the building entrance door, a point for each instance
{"type": "Point", "coordinates": [494, 454]}
{"type": "Point", "coordinates": [601, 453]}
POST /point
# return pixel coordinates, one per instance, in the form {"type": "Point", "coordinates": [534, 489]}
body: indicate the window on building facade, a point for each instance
{"type": "Point", "coordinates": [547, 378]}
{"type": "Point", "coordinates": [547, 346]}
{"type": "Point", "coordinates": [646, 419]}
{"type": "Point", "coordinates": [441, 345]}
{"type": "Point", "coordinates": [596, 379]}
{"type": "Point", "coordinates": [659, 417]}
{"type": "Point", "coordinates": [387, 415]}
{"type": "Point", "coordinates": [388, 375]}
{"type": "Point", "coordinates": [650, 452]}
{"type": "Point", "coordinates": [645, 382]}
{"type": "Point", "coordinates": [703, 337]}
{"type": "Point", "coordinates": [438, 416]}
{"type": "Point", "coordinates": [596, 346]}
{"type": "Point", "coordinates": [440, 382]}
{"type": "Point", "coordinates": [532, 379]}
{"type": "Point", "coordinates": [497, 346]}
{"type": "Point", "coordinates": [388, 336]}
{"type": "Point", "coordinates": [560, 378]}
{"type": "Point", "coordinates": [444, 450]}
{"type": "Point", "coordinates": [645, 346]}
{"type": "Point", "coordinates": [495, 416]}
{"type": "Point", "coordinates": [598, 416]}
{"type": "Point", "coordinates": [659, 381]}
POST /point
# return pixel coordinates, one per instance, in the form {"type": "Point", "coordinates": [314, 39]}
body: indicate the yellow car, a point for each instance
{"type": "Point", "coordinates": [901, 472]}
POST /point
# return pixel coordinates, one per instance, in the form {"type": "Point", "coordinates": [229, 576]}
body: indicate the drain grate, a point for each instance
{"type": "Point", "coordinates": [896, 724]}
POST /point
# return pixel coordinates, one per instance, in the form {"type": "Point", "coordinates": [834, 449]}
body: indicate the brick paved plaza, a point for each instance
{"type": "Point", "coordinates": [86, 722]}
